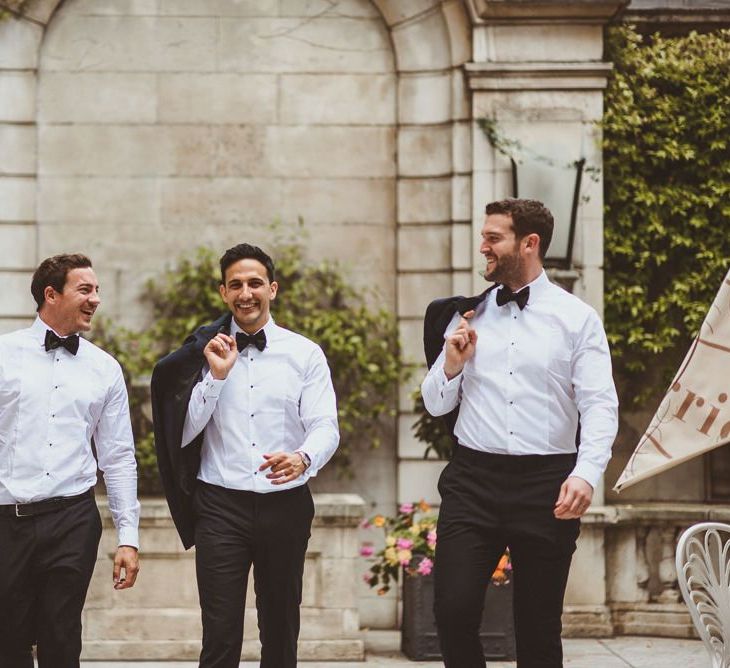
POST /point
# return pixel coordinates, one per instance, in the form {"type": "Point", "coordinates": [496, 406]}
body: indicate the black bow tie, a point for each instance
{"type": "Point", "coordinates": [505, 294]}
{"type": "Point", "coordinates": [258, 340]}
{"type": "Point", "coordinates": [53, 341]}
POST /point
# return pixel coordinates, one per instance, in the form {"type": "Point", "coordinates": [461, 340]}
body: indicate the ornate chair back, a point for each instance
{"type": "Point", "coordinates": [703, 572]}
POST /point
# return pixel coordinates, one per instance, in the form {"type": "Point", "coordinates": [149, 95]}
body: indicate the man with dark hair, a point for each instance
{"type": "Point", "coordinates": [244, 415]}
{"type": "Point", "coordinates": [57, 392]}
{"type": "Point", "coordinates": [520, 363]}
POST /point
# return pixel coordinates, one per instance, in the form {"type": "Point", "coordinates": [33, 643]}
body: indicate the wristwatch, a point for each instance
{"type": "Point", "coordinates": [305, 459]}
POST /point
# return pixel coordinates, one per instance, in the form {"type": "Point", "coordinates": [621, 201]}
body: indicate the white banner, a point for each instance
{"type": "Point", "coordinates": [694, 415]}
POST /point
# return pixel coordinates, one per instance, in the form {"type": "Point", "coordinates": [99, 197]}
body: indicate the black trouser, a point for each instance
{"type": "Point", "coordinates": [233, 530]}
{"type": "Point", "coordinates": [46, 563]}
{"type": "Point", "coordinates": [491, 502]}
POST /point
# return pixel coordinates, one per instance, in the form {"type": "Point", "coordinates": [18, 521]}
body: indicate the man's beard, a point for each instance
{"type": "Point", "coordinates": [508, 269]}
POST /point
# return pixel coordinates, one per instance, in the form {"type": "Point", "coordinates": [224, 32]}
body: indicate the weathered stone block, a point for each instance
{"type": "Point", "coordinates": [15, 298]}
{"type": "Point", "coordinates": [424, 97]}
{"type": "Point", "coordinates": [325, 44]}
{"type": "Point", "coordinates": [130, 44]}
{"type": "Point", "coordinates": [424, 247]}
{"type": "Point", "coordinates": [17, 246]}
{"type": "Point", "coordinates": [338, 201]}
{"type": "Point", "coordinates": [458, 24]}
{"type": "Point", "coordinates": [89, 97]}
{"type": "Point", "coordinates": [217, 8]}
{"type": "Point", "coordinates": [461, 198]}
{"type": "Point", "coordinates": [19, 42]}
{"type": "Point", "coordinates": [422, 45]}
{"type": "Point", "coordinates": [356, 99]}
{"type": "Point", "coordinates": [461, 246]}
{"type": "Point", "coordinates": [17, 96]}
{"type": "Point", "coordinates": [111, 7]}
{"type": "Point", "coordinates": [416, 291]}
{"type": "Point", "coordinates": [82, 199]}
{"type": "Point", "coordinates": [546, 43]}
{"type": "Point", "coordinates": [411, 339]}
{"type": "Point", "coordinates": [217, 98]}
{"type": "Point", "coordinates": [330, 151]}
{"type": "Point", "coordinates": [403, 10]}
{"type": "Point", "coordinates": [18, 155]}
{"type": "Point", "coordinates": [418, 479]}
{"type": "Point", "coordinates": [424, 151]}
{"type": "Point", "coordinates": [461, 147]}
{"type": "Point", "coordinates": [348, 8]}
{"type": "Point", "coordinates": [460, 98]}
{"type": "Point", "coordinates": [586, 583]}
{"type": "Point", "coordinates": [191, 202]}
{"type": "Point", "coordinates": [424, 200]}
{"type": "Point", "coordinates": [17, 199]}
{"type": "Point", "coordinates": [409, 447]}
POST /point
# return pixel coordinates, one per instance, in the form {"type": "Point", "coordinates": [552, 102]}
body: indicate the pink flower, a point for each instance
{"type": "Point", "coordinates": [367, 551]}
{"type": "Point", "coordinates": [404, 543]}
{"type": "Point", "coordinates": [405, 508]}
{"type": "Point", "coordinates": [365, 524]}
{"type": "Point", "coordinates": [366, 577]}
{"type": "Point", "coordinates": [431, 538]}
{"type": "Point", "coordinates": [425, 567]}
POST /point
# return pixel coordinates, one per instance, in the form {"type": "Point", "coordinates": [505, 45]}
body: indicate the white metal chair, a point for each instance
{"type": "Point", "coordinates": [703, 572]}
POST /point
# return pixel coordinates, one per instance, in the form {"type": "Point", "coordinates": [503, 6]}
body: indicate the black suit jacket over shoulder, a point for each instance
{"type": "Point", "coordinates": [173, 380]}
{"type": "Point", "coordinates": [438, 316]}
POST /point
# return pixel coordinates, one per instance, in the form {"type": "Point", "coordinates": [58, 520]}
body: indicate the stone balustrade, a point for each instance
{"type": "Point", "coordinates": [159, 619]}
{"type": "Point", "coordinates": [640, 592]}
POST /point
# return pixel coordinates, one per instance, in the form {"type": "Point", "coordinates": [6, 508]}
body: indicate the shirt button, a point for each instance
{"type": "Point", "coordinates": [251, 414]}
{"type": "Point", "coordinates": [253, 444]}
{"type": "Point", "coordinates": [510, 373]}
{"type": "Point", "coordinates": [511, 433]}
{"type": "Point", "coordinates": [251, 386]}
{"type": "Point", "coordinates": [511, 402]}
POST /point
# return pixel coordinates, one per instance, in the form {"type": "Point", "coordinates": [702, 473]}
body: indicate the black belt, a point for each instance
{"type": "Point", "coordinates": [45, 506]}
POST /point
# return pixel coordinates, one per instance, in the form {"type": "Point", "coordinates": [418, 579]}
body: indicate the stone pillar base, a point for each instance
{"type": "Point", "coordinates": [667, 620]}
{"type": "Point", "coordinates": [587, 621]}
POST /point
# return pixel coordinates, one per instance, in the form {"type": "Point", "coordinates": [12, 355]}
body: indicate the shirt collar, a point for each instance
{"type": "Point", "coordinates": [38, 330]}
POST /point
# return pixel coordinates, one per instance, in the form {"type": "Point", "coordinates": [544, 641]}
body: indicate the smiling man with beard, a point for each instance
{"type": "Point", "coordinates": [245, 414]}
{"type": "Point", "coordinates": [57, 392]}
{"type": "Point", "coordinates": [521, 363]}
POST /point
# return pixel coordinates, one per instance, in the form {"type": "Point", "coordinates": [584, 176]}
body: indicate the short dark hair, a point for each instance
{"type": "Point", "coordinates": [53, 271]}
{"type": "Point", "coordinates": [529, 216]}
{"type": "Point", "coordinates": [244, 252]}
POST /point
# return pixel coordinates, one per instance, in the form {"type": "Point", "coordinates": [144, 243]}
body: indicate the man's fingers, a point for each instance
{"type": "Point", "coordinates": [468, 315]}
{"type": "Point", "coordinates": [126, 567]}
{"type": "Point", "coordinates": [561, 496]}
{"type": "Point", "coordinates": [117, 569]}
{"type": "Point", "coordinates": [272, 460]}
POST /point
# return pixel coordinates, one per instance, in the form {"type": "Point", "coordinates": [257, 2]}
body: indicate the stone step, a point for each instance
{"type": "Point", "coordinates": [181, 624]}
{"type": "Point", "coordinates": [352, 649]}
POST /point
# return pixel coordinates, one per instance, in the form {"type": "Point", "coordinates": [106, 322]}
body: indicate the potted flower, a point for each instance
{"type": "Point", "coordinates": [410, 545]}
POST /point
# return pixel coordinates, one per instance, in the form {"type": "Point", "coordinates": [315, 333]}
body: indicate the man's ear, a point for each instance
{"type": "Point", "coordinates": [222, 290]}
{"type": "Point", "coordinates": [49, 293]}
{"type": "Point", "coordinates": [274, 287]}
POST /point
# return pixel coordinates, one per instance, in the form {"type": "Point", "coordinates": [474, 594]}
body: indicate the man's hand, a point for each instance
{"type": "Point", "coordinates": [221, 353]}
{"type": "Point", "coordinates": [285, 467]}
{"type": "Point", "coordinates": [460, 346]}
{"type": "Point", "coordinates": [126, 560]}
{"type": "Point", "coordinates": [574, 499]}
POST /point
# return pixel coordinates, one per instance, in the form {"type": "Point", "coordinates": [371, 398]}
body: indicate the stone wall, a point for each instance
{"type": "Point", "coordinates": [159, 618]}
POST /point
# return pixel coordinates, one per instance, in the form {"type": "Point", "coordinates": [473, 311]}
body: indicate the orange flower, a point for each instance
{"type": "Point", "coordinates": [378, 521]}
{"type": "Point", "coordinates": [423, 506]}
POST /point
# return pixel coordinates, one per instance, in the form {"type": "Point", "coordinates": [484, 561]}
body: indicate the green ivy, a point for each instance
{"type": "Point", "coordinates": [667, 179]}
{"type": "Point", "coordinates": [316, 300]}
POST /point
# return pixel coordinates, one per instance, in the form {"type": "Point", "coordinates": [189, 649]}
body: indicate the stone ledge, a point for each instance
{"type": "Point", "coordinates": [346, 510]}
{"type": "Point", "coordinates": [189, 650]}
{"type": "Point", "coordinates": [538, 76]}
{"type": "Point", "coordinates": [651, 513]}
{"type": "Point", "coordinates": [667, 620]}
{"type": "Point", "coordinates": [587, 621]}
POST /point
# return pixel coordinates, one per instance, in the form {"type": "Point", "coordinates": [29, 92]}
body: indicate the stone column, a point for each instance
{"type": "Point", "coordinates": [538, 77]}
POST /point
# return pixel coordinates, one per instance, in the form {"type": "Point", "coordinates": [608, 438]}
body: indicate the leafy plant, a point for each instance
{"type": "Point", "coordinates": [316, 300]}
{"type": "Point", "coordinates": [667, 167]}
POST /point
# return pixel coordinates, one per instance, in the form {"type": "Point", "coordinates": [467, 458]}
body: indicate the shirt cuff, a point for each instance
{"type": "Point", "coordinates": [212, 386]}
{"type": "Point", "coordinates": [588, 472]}
{"type": "Point", "coordinates": [128, 536]}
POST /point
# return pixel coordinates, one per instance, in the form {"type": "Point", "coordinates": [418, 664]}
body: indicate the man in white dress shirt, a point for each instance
{"type": "Point", "coordinates": [259, 407]}
{"type": "Point", "coordinates": [522, 367]}
{"type": "Point", "coordinates": [57, 392]}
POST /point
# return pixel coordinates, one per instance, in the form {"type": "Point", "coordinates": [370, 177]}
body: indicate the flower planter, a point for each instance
{"type": "Point", "coordinates": [419, 640]}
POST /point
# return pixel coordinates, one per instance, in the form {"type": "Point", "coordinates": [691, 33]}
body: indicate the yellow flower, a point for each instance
{"type": "Point", "coordinates": [416, 529]}
{"type": "Point", "coordinates": [404, 557]}
{"type": "Point", "coordinates": [391, 556]}
{"type": "Point", "coordinates": [378, 521]}
{"type": "Point", "coordinates": [390, 540]}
